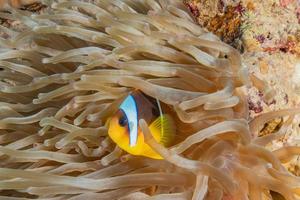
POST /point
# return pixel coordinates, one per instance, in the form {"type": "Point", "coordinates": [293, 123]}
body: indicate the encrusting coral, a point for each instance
{"type": "Point", "coordinates": [64, 74]}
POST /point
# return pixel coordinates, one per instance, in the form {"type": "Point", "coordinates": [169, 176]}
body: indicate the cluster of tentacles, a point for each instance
{"type": "Point", "coordinates": [63, 74]}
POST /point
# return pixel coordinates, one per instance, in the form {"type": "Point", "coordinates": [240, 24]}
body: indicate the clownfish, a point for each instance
{"type": "Point", "coordinates": [124, 130]}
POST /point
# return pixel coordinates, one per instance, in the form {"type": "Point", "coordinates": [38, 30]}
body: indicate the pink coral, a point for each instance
{"type": "Point", "coordinates": [285, 3]}
{"type": "Point", "coordinates": [192, 6]}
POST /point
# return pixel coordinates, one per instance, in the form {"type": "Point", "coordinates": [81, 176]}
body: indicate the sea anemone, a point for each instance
{"type": "Point", "coordinates": [64, 72]}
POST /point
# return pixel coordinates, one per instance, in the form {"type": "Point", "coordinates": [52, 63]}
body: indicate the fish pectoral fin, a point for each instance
{"type": "Point", "coordinates": [163, 129]}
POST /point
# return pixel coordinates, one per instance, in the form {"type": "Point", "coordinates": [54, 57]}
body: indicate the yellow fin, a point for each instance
{"type": "Point", "coordinates": [163, 129]}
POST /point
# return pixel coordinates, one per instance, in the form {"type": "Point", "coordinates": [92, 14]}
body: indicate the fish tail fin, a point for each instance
{"type": "Point", "coordinates": [163, 129]}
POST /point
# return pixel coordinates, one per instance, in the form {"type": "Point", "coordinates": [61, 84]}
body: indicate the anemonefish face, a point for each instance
{"type": "Point", "coordinates": [118, 129]}
{"type": "Point", "coordinates": [124, 129]}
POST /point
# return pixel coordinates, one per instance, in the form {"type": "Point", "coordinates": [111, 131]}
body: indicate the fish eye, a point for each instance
{"type": "Point", "coordinates": [123, 121]}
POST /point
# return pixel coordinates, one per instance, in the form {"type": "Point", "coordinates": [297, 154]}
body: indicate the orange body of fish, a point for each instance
{"type": "Point", "coordinates": [124, 130]}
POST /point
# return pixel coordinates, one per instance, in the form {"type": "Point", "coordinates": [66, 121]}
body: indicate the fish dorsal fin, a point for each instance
{"type": "Point", "coordinates": [163, 129]}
